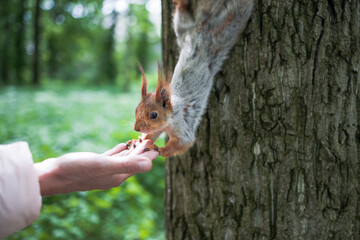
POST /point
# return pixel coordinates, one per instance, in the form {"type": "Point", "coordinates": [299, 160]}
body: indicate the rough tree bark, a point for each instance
{"type": "Point", "coordinates": [277, 153]}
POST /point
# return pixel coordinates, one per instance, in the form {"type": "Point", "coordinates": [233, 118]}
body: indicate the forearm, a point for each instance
{"type": "Point", "coordinates": [50, 181]}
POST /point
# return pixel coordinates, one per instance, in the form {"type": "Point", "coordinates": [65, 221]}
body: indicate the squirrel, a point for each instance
{"type": "Point", "coordinates": [204, 38]}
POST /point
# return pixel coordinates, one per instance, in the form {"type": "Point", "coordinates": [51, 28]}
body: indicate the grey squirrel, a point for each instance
{"type": "Point", "coordinates": [205, 39]}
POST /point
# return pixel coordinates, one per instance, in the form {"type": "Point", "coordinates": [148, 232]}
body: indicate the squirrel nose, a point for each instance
{"type": "Point", "coordinates": [139, 125]}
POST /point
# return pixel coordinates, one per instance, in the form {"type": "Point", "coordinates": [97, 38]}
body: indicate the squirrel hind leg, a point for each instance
{"type": "Point", "coordinates": [209, 10]}
{"type": "Point", "coordinates": [183, 22]}
{"type": "Point", "coordinates": [216, 12]}
{"type": "Point", "coordinates": [181, 5]}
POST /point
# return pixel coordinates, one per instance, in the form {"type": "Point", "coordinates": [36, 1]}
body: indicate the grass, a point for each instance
{"type": "Point", "coordinates": [57, 120]}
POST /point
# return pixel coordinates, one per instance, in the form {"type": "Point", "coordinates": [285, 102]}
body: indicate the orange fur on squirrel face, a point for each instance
{"type": "Point", "coordinates": [151, 113]}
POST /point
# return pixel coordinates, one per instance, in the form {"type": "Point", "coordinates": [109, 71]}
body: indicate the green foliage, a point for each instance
{"type": "Point", "coordinates": [57, 120]}
{"type": "Point", "coordinates": [79, 41]}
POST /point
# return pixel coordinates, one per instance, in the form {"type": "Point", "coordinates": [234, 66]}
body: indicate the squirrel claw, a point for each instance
{"type": "Point", "coordinates": [131, 143]}
{"type": "Point", "coordinates": [128, 144]}
{"type": "Point", "coordinates": [152, 147]}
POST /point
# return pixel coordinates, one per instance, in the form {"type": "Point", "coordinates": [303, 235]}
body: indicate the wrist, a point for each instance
{"type": "Point", "coordinates": [50, 182]}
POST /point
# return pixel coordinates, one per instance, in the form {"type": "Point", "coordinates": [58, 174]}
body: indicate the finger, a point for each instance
{"type": "Point", "coordinates": [150, 154]}
{"type": "Point", "coordinates": [140, 149]}
{"type": "Point", "coordinates": [127, 151]}
{"type": "Point", "coordinates": [118, 148]}
{"type": "Point", "coordinates": [132, 165]}
{"type": "Point", "coordinates": [122, 153]}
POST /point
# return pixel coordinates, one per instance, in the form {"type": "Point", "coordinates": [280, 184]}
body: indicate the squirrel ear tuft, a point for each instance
{"type": "Point", "coordinates": [163, 96]}
{"type": "Point", "coordinates": [161, 74]}
{"type": "Point", "coordinates": [143, 82]}
{"type": "Point", "coordinates": [162, 93]}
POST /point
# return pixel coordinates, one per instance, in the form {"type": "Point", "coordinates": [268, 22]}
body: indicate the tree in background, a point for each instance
{"type": "Point", "coordinates": [277, 153]}
{"type": "Point", "coordinates": [107, 62]}
{"type": "Point", "coordinates": [139, 45]}
{"type": "Point", "coordinates": [36, 56]}
{"type": "Point", "coordinates": [19, 56]}
{"type": "Point", "coordinates": [4, 44]}
{"type": "Point", "coordinates": [59, 118]}
{"type": "Point", "coordinates": [73, 41]}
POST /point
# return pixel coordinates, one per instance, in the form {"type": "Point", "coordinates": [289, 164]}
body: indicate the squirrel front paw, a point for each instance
{"type": "Point", "coordinates": [130, 143]}
{"type": "Point", "coordinates": [133, 143]}
{"type": "Point", "coordinates": [153, 147]}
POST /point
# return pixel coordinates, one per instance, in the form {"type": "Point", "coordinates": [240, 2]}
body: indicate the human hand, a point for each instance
{"type": "Point", "coordinates": [83, 171]}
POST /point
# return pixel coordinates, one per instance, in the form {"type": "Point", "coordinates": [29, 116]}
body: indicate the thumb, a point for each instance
{"type": "Point", "coordinates": [117, 149]}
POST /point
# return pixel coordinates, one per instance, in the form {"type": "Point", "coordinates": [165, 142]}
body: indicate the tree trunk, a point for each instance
{"type": "Point", "coordinates": [107, 63]}
{"type": "Point", "coordinates": [36, 67]}
{"type": "Point", "coordinates": [20, 43]}
{"type": "Point", "coordinates": [277, 153]}
{"type": "Point", "coordinates": [4, 41]}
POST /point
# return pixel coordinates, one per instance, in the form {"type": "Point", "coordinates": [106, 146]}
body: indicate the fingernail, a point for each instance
{"type": "Point", "coordinates": [144, 165]}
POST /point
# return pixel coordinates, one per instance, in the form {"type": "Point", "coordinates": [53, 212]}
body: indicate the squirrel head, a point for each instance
{"type": "Point", "coordinates": [153, 110]}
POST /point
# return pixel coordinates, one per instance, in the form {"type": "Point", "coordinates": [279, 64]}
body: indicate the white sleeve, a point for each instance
{"type": "Point", "coordinates": [20, 199]}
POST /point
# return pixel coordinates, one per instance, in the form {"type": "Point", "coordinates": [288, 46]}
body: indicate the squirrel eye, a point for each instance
{"type": "Point", "coordinates": [153, 115]}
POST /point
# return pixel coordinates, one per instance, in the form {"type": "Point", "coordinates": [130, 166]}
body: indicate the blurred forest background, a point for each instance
{"type": "Point", "coordinates": [77, 41]}
{"type": "Point", "coordinates": [69, 82]}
